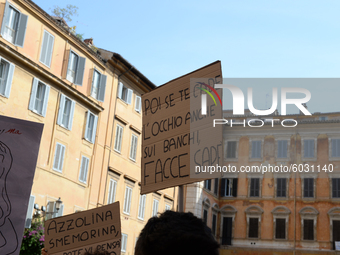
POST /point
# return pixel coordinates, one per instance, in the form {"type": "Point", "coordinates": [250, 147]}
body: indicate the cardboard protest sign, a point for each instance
{"type": "Point", "coordinates": [95, 229]}
{"type": "Point", "coordinates": [19, 147]}
{"type": "Point", "coordinates": [167, 134]}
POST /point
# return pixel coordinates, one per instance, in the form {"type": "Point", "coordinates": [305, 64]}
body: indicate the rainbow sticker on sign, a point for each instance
{"type": "Point", "coordinates": [204, 97]}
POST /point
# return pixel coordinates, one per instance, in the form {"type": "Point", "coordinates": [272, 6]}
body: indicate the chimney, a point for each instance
{"type": "Point", "coordinates": [89, 42]}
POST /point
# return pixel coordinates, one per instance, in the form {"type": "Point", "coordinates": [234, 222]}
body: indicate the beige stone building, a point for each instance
{"type": "Point", "coordinates": [90, 104]}
{"type": "Point", "coordinates": [278, 211]}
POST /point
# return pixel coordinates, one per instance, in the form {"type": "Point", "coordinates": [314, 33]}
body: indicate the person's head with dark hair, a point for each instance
{"type": "Point", "coordinates": [176, 233]}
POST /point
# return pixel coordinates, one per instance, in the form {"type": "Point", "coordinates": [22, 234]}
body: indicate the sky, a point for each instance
{"type": "Point", "coordinates": [262, 38]}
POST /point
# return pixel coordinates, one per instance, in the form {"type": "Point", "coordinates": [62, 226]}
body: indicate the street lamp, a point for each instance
{"type": "Point", "coordinates": [51, 211]}
{"type": "Point", "coordinates": [58, 204]}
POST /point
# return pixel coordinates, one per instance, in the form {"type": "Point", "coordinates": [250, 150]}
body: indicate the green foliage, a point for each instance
{"type": "Point", "coordinates": [33, 240]}
{"type": "Point", "coordinates": [80, 36]}
{"type": "Point", "coordinates": [65, 13]}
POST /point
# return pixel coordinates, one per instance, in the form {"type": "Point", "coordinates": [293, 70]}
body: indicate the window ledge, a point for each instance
{"type": "Point", "coordinates": [255, 159]}
{"type": "Point", "coordinates": [306, 160]}
{"type": "Point", "coordinates": [117, 151]}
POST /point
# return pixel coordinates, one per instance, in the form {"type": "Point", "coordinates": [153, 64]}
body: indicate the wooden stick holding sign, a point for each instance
{"type": "Point", "coordinates": [95, 229]}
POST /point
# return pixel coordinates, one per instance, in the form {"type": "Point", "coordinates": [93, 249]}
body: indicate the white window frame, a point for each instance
{"type": "Point", "coordinates": [138, 104]}
{"type": "Point", "coordinates": [111, 196]}
{"type": "Point", "coordinates": [167, 207]}
{"type": "Point", "coordinates": [124, 93]}
{"type": "Point", "coordinates": [83, 173]}
{"type": "Point", "coordinates": [226, 150]}
{"type": "Point", "coordinates": [251, 149]}
{"type": "Point", "coordinates": [124, 242]}
{"type": "Point", "coordinates": [303, 148]}
{"type": "Point", "coordinates": [118, 138]}
{"type": "Point", "coordinates": [98, 90]}
{"type": "Point", "coordinates": [61, 115]}
{"type": "Point", "coordinates": [70, 68]}
{"type": "Point", "coordinates": [281, 212]}
{"type": "Point", "coordinates": [331, 149]}
{"type": "Point", "coordinates": [278, 149]}
{"type": "Point", "coordinates": [155, 205]}
{"type": "Point", "coordinates": [6, 82]}
{"type": "Point", "coordinates": [20, 28]}
{"type": "Point", "coordinates": [46, 50]}
{"type": "Point", "coordinates": [309, 213]}
{"type": "Point", "coordinates": [127, 200]}
{"type": "Point", "coordinates": [254, 211]}
{"type": "Point", "coordinates": [90, 135]}
{"type": "Point", "coordinates": [141, 207]}
{"type": "Point", "coordinates": [133, 147]}
{"type": "Point", "coordinates": [33, 98]}
{"type": "Point", "coordinates": [60, 157]}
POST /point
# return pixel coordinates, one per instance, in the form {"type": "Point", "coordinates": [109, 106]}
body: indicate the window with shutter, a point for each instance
{"type": "Point", "coordinates": [124, 242]}
{"type": "Point", "coordinates": [216, 186]}
{"type": "Point", "coordinates": [59, 157]}
{"type": "Point", "coordinates": [308, 148]}
{"type": "Point", "coordinates": [308, 187]}
{"type": "Point", "coordinates": [280, 228]}
{"type": "Point", "coordinates": [98, 85]}
{"type": "Point", "coordinates": [282, 149]}
{"type": "Point", "coordinates": [46, 49]}
{"type": "Point", "coordinates": [138, 104]}
{"type": "Point", "coordinates": [127, 200]}
{"type": "Point", "coordinates": [229, 187]}
{"type": "Point", "coordinates": [281, 187]}
{"type": "Point", "coordinates": [207, 184]}
{"type": "Point", "coordinates": [112, 191]}
{"type": "Point", "coordinates": [253, 228]}
{"type": "Point", "coordinates": [256, 149]}
{"type": "Point", "coordinates": [39, 97]}
{"type": "Point", "coordinates": [91, 127]}
{"type": "Point", "coordinates": [167, 207]}
{"type": "Point", "coordinates": [13, 27]}
{"type": "Point", "coordinates": [336, 231]}
{"type": "Point", "coordinates": [6, 77]}
{"type": "Point", "coordinates": [155, 207]}
{"type": "Point", "coordinates": [75, 68]}
{"type": "Point", "coordinates": [205, 216]}
{"type": "Point", "coordinates": [254, 187]}
{"type": "Point", "coordinates": [124, 93]}
{"type": "Point", "coordinates": [231, 149]}
{"type": "Point", "coordinates": [66, 112]}
{"type": "Point", "coordinates": [335, 148]}
{"type": "Point", "coordinates": [308, 229]}
{"type": "Point", "coordinates": [84, 169]}
{"type": "Point", "coordinates": [133, 148]}
{"type": "Point", "coordinates": [227, 228]}
{"type": "Point", "coordinates": [213, 225]}
{"type": "Point", "coordinates": [141, 208]}
{"type": "Point", "coordinates": [118, 138]}
{"type": "Point", "coordinates": [336, 187]}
